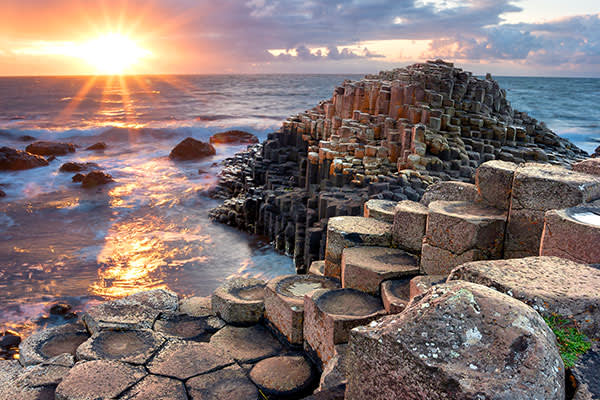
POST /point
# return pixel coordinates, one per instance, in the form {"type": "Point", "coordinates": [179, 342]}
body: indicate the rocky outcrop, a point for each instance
{"type": "Point", "coordinates": [78, 167]}
{"type": "Point", "coordinates": [458, 341]}
{"type": "Point", "coordinates": [15, 160]}
{"type": "Point", "coordinates": [387, 136]}
{"type": "Point", "coordinates": [191, 149]}
{"type": "Point", "coordinates": [233, 137]}
{"type": "Point", "coordinates": [96, 178]}
{"type": "Point", "coordinates": [97, 147]}
{"type": "Point", "coordinates": [43, 148]}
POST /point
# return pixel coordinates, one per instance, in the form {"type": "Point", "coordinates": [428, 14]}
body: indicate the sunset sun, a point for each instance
{"type": "Point", "coordinates": [113, 54]}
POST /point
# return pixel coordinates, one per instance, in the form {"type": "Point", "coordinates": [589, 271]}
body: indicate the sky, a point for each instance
{"type": "Point", "coordinates": [503, 37]}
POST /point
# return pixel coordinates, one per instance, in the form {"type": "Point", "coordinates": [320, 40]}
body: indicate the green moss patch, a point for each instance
{"type": "Point", "coordinates": [571, 342]}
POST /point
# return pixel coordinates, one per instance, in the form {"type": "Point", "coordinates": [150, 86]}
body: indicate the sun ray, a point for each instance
{"type": "Point", "coordinates": [75, 101]}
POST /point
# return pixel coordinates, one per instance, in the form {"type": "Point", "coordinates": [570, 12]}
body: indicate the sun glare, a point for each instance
{"type": "Point", "coordinates": [113, 54]}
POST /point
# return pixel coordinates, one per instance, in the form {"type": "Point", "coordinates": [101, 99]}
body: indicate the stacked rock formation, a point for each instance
{"type": "Point", "coordinates": [387, 136]}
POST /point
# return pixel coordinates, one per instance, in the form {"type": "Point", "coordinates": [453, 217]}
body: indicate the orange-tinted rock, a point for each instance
{"type": "Point", "coordinates": [283, 377]}
{"type": "Point", "coordinates": [43, 148]}
{"type": "Point", "coordinates": [14, 160]}
{"type": "Point", "coordinates": [191, 149]}
{"type": "Point", "coordinates": [233, 137]}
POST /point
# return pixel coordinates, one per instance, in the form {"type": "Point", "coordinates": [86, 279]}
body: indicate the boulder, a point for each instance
{"type": "Point", "coordinates": [228, 383]}
{"type": "Point", "coordinates": [240, 301]}
{"type": "Point", "coordinates": [78, 167]}
{"type": "Point", "coordinates": [98, 380]}
{"type": "Point", "coordinates": [460, 340]}
{"type": "Point", "coordinates": [410, 221]}
{"type": "Point", "coordinates": [596, 152]}
{"type": "Point", "coordinates": [2, 194]}
{"type": "Point", "coordinates": [96, 178]}
{"type": "Point", "coordinates": [590, 166]}
{"type": "Point", "coordinates": [233, 137]}
{"type": "Point", "coordinates": [43, 148]}
{"type": "Point", "coordinates": [548, 284]}
{"type": "Point", "coordinates": [191, 149]}
{"type": "Point", "coordinates": [283, 377]}
{"type": "Point", "coordinates": [96, 147]}
{"type": "Point", "coordinates": [15, 160]}
{"type": "Point", "coordinates": [449, 191]}
{"type": "Point", "coordinates": [572, 233]}
{"type": "Point", "coordinates": [365, 267]}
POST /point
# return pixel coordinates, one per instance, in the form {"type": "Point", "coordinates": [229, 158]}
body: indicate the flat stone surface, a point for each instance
{"type": "Point", "coordinates": [283, 376]}
{"type": "Point", "coordinates": [548, 284]}
{"type": "Point", "coordinates": [196, 306]}
{"type": "Point", "coordinates": [458, 341]}
{"type": "Point", "coordinates": [494, 183]}
{"type": "Point", "coordinates": [395, 295]}
{"type": "Point", "coordinates": [48, 343]}
{"type": "Point", "coordinates": [134, 347]}
{"type": "Point", "coordinates": [158, 299]}
{"type": "Point", "coordinates": [572, 233]}
{"type": "Point", "coordinates": [240, 301]}
{"type": "Point", "coordinates": [364, 268]}
{"type": "Point", "coordinates": [590, 166]}
{"type": "Point", "coordinates": [48, 374]}
{"type": "Point", "coordinates": [284, 302]}
{"type": "Point", "coordinates": [410, 221]}
{"type": "Point", "coordinates": [184, 326]}
{"type": "Point", "coordinates": [228, 383]}
{"type": "Point", "coordinates": [156, 388]}
{"type": "Point", "coordinates": [98, 380]}
{"type": "Point", "coordinates": [343, 232]}
{"type": "Point", "coordinates": [246, 344]}
{"type": "Point", "coordinates": [382, 210]}
{"type": "Point", "coordinates": [449, 191]}
{"type": "Point", "coordinates": [185, 359]}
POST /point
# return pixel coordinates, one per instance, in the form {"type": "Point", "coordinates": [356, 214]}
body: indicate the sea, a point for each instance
{"type": "Point", "coordinates": [150, 229]}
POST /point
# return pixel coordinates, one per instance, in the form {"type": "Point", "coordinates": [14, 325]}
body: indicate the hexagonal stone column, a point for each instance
{"type": "Point", "coordinates": [284, 302]}
{"type": "Point", "coordinates": [395, 295]}
{"type": "Point", "coordinates": [449, 191]}
{"type": "Point", "coordinates": [548, 284]}
{"type": "Point", "coordinates": [381, 210]}
{"type": "Point", "coordinates": [228, 383]}
{"type": "Point", "coordinates": [283, 377]}
{"type": "Point", "coordinates": [364, 268]}
{"type": "Point", "coordinates": [538, 188]}
{"type": "Point", "coordinates": [185, 326]}
{"type": "Point", "coordinates": [246, 344]}
{"type": "Point", "coordinates": [459, 232]}
{"type": "Point", "coordinates": [494, 181]}
{"type": "Point", "coordinates": [48, 343]}
{"type": "Point", "coordinates": [410, 221]}
{"type": "Point", "coordinates": [240, 301]}
{"type": "Point", "coordinates": [445, 344]}
{"type": "Point", "coordinates": [156, 388]}
{"type": "Point", "coordinates": [343, 232]}
{"type": "Point", "coordinates": [572, 233]}
{"type": "Point", "coordinates": [133, 347]}
{"type": "Point", "coordinates": [317, 268]}
{"type": "Point", "coordinates": [99, 380]}
{"type": "Point", "coordinates": [331, 314]}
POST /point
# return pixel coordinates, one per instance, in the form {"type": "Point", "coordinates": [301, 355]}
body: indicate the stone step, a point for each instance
{"type": "Point", "coordinates": [382, 210]}
{"type": "Point", "coordinates": [240, 301]}
{"type": "Point", "coordinates": [548, 284]}
{"type": "Point", "coordinates": [572, 233]}
{"type": "Point", "coordinates": [449, 191]}
{"type": "Point", "coordinates": [343, 232]}
{"type": "Point", "coordinates": [459, 232]}
{"type": "Point", "coordinates": [364, 268]}
{"type": "Point", "coordinates": [410, 221]}
{"type": "Point", "coordinates": [284, 302]}
{"type": "Point", "coordinates": [494, 183]}
{"type": "Point", "coordinates": [331, 314]}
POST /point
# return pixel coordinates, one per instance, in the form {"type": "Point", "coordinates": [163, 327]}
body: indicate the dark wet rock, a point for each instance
{"type": "Point", "coordinates": [185, 326]}
{"type": "Point", "coordinates": [27, 138]}
{"type": "Point", "coordinates": [233, 137]}
{"type": "Point", "coordinates": [60, 308]}
{"type": "Point", "coordinates": [97, 146]}
{"type": "Point", "coordinates": [133, 347]}
{"type": "Point", "coordinates": [240, 301]}
{"type": "Point", "coordinates": [14, 160]}
{"type": "Point", "coordinates": [78, 178]}
{"type": "Point", "coordinates": [43, 148]}
{"type": "Point", "coordinates": [596, 152]}
{"type": "Point", "coordinates": [2, 194]}
{"type": "Point", "coordinates": [98, 380]}
{"type": "Point", "coordinates": [246, 344]}
{"type": "Point", "coordinates": [191, 149]}
{"type": "Point", "coordinates": [285, 376]}
{"type": "Point", "coordinates": [48, 343]}
{"type": "Point", "coordinates": [78, 167]}
{"type": "Point", "coordinates": [459, 340]}
{"type": "Point", "coordinates": [551, 285]}
{"type": "Point", "coordinates": [138, 311]}
{"type": "Point", "coordinates": [9, 339]}
{"type": "Point", "coordinates": [585, 374]}
{"type": "Point", "coordinates": [228, 383]}
{"type": "Point", "coordinates": [335, 393]}
{"type": "Point", "coordinates": [156, 388]}
{"type": "Point", "coordinates": [96, 178]}
{"type": "Point", "coordinates": [185, 359]}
